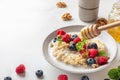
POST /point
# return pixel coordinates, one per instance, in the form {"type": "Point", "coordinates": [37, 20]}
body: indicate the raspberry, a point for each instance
{"type": "Point", "coordinates": [92, 53]}
{"type": "Point", "coordinates": [66, 38]}
{"type": "Point", "coordinates": [76, 40]}
{"type": "Point", "coordinates": [62, 77]}
{"type": "Point", "coordinates": [20, 69]}
{"type": "Point", "coordinates": [102, 60]}
{"type": "Point", "coordinates": [60, 32]}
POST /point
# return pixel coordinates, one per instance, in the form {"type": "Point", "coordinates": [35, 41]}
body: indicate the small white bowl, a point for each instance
{"type": "Point", "coordinates": [104, 37]}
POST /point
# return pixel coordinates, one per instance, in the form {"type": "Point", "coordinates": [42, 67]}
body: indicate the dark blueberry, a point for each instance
{"type": "Point", "coordinates": [106, 79]}
{"type": "Point", "coordinates": [8, 78]}
{"type": "Point", "coordinates": [92, 46]}
{"type": "Point", "coordinates": [54, 40]}
{"type": "Point", "coordinates": [39, 73]}
{"type": "Point", "coordinates": [85, 78]}
{"type": "Point", "coordinates": [72, 47]}
{"type": "Point", "coordinates": [74, 36]}
{"type": "Point", "coordinates": [90, 61]}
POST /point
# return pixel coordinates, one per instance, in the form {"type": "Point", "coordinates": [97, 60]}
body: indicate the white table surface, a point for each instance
{"type": "Point", "coordinates": [24, 24]}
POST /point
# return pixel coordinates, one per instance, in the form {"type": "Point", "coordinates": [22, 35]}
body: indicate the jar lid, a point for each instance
{"type": "Point", "coordinates": [89, 4]}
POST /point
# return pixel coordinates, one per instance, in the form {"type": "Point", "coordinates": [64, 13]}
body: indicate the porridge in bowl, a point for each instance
{"type": "Point", "coordinates": [74, 50]}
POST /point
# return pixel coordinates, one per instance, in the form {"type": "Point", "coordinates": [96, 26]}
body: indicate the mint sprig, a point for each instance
{"type": "Point", "coordinates": [102, 53]}
{"type": "Point", "coordinates": [80, 45]}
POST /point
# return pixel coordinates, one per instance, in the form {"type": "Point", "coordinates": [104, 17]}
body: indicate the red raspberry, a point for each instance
{"type": "Point", "coordinates": [60, 32]}
{"type": "Point", "coordinates": [92, 53]}
{"type": "Point", "coordinates": [102, 60]}
{"type": "Point", "coordinates": [76, 40]}
{"type": "Point", "coordinates": [20, 69]}
{"type": "Point", "coordinates": [62, 77]}
{"type": "Point", "coordinates": [66, 38]}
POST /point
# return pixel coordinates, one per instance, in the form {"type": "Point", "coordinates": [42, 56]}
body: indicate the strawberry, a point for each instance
{"type": "Point", "coordinates": [20, 69]}
{"type": "Point", "coordinates": [66, 38]}
{"type": "Point", "coordinates": [102, 60]}
{"type": "Point", "coordinates": [92, 53]}
{"type": "Point", "coordinates": [76, 40]}
{"type": "Point", "coordinates": [60, 32]}
{"type": "Point", "coordinates": [62, 77]}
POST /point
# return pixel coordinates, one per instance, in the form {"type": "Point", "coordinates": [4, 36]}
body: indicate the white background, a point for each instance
{"type": "Point", "coordinates": [24, 24]}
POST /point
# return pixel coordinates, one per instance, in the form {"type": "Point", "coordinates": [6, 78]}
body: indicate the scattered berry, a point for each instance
{"type": "Point", "coordinates": [60, 32]}
{"type": "Point", "coordinates": [92, 46]}
{"type": "Point", "coordinates": [76, 40]}
{"type": "Point", "coordinates": [39, 73]}
{"type": "Point", "coordinates": [63, 77]}
{"type": "Point", "coordinates": [8, 78]}
{"type": "Point", "coordinates": [74, 36]}
{"type": "Point", "coordinates": [106, 79]}
{"type": "Point", "coordinates": [66, 38]}
{"type": "Point", "coordinates": [20, 69]}
{"type": "Point", "coordinates": [85, 78]}
{"type": "Point", "coordinates": [82, 51]}
{"type": "Point", "coordinates": [72, 47]}
{"type": "Point", "coordinates": [90, 61]}
{"type": "Point", "coordinates": [102, 60]}
{"type": "Point", "coordinates": [92, 53]}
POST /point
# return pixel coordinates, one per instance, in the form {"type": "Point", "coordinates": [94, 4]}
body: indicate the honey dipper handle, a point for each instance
{"type": "Point", "coordinates": [111, 25]}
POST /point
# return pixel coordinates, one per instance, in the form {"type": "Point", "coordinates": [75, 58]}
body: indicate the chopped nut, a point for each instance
{"type": "Point", "coordinates": [51, 44]}
{"type": "Point", "coordinates": [66, 16]}
{"type": "Point", "coordinates": [101, 22]}
{"type": "Point", "coordinates": [95, 65]}
{"type": "Point", "coordinates": [61, 4]}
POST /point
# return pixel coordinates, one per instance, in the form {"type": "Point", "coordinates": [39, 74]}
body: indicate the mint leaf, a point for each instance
{"type": "Point", "coordinates": [59, 39]}
{"type": "Point", "coordinates": [102, 53]}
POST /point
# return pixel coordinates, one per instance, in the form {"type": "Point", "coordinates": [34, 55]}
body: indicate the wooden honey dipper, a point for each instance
{"type": "Point", "coordinates": [94, 30]}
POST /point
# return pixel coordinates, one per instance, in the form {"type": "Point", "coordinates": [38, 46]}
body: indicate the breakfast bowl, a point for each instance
{"type": "Point", "coordinates": [50, 53]}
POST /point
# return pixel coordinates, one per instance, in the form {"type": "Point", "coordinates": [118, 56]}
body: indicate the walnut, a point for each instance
{"type": "Point", "coordinates": [61, 4]}
{"type": "Point", "coordinates": [66, 16]}
{"type": "Point", "coordinates": [95, 65]}
{"type": "Point", "coordinates": [101, 22]}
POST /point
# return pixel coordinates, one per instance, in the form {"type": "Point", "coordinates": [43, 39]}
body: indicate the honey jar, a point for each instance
{"type": "Point", "coordinates": [115, 16]}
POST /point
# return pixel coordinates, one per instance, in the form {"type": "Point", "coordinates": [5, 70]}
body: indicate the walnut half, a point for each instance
{"type": "Point", "coordinates": [61, 4]}
{"type": "Point", "coordinates": [66, 16]}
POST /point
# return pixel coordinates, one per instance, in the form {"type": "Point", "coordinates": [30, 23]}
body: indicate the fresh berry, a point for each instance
{"type": "Point", "coordinates": [82, 51]}
{"type": "Point", "coordinates": [63, 77]}
{"type": "Point", "coordinates": [90, 61]}
{"type": "Point", "coordinates": [66, 38]}
{"type": "Point", "coordinates": [85, 46]}
{"type": "Point", "coordinates": [8, 78]}
{"type": "Point", "coordinates": [85, 78]}
{"type": "Point", "coordinates": [76, 40]}
{"type": "Point", "coordinates": [92, 46]}
{"type": "Point", "coordinates": [92, 53]}
{"type": "Point", "coordinates": [72, 47]}
{"type": "Point", "coordinates": [39, 73]}
{"type": "Point", "coordinates": [106, 79]}
{"type": "Point", "coordinates": [20, 69]}
{"type": "Point", "coordinates": [102, 60]}
{"type": "Point", "coordinates": [54, 40]}
{"type": "Point", "coordinates": [60, 32]}
{"type": "Point", "coordinates": [74, 36]}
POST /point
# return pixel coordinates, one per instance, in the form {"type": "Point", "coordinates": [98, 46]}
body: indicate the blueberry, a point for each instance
{"type": "Point", "coordinates": [85, 78]}
{"type": "Point", "coordinates": [106, 79]}
{"type": "Point", "coordinates": [72, 47]}
{"type": "Point", "coordinates": [90, 61]}
{"type": "Point", "coordinates": [54, 40]}
{"type": "Point", "coordinates": [92, 46]}
{"type": "Point", "coordinates": [74, 36]}
{"type": "Point", "coordinates": [39, 73]}
{"type": "Point", "coordinates": [8, 78]}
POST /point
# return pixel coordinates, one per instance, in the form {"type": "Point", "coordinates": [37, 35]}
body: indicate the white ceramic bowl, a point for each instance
{"type": "Point", "coordinates": [104, 37]}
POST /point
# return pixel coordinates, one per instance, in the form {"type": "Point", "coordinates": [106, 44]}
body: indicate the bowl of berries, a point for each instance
{"type": "Point", "coordinates": [65, 49]}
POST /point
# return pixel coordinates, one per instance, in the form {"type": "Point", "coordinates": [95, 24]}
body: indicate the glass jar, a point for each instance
{"type": "Point", "coordinates": [115, 16]}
